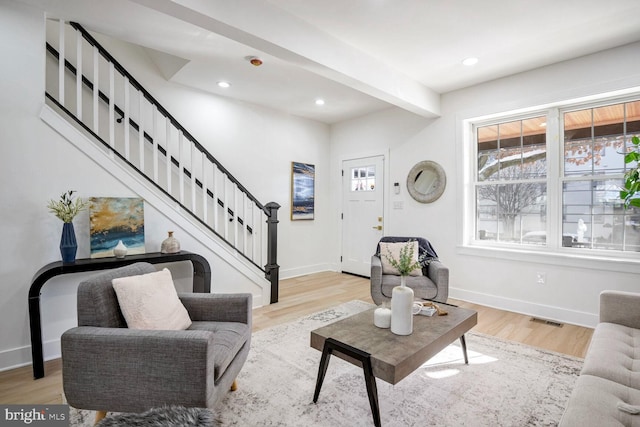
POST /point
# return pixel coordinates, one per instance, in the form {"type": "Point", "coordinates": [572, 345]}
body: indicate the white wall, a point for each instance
{"type": "Point", "coordinates": [571, 292]}
{"type": "Point", "coordinates": [257, 145]}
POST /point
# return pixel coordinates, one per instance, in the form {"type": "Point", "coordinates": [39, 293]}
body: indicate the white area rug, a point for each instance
{"type": "Point", "coordinates": [505, 384]}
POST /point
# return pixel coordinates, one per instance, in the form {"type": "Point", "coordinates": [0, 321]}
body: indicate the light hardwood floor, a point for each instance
{"type": "Point", "coordinates": [307, 294]}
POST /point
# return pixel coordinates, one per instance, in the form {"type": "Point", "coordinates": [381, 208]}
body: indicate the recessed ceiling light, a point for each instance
{"type": "Point", "coordinates": [470, 61]}
{"type": "Point", "coordinates": [224, 84]}
{"type": "Point", "coordinates": [319, 101]}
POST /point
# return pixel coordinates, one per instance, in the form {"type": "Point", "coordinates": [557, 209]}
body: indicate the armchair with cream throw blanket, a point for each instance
{"type": "Point", "coordinates": [430, 282]}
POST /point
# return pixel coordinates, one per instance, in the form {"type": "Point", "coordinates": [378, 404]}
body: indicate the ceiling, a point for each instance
{"type": "Point", "coordinates": [360, 56]}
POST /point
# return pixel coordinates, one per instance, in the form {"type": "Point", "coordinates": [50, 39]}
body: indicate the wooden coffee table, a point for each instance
{"type": "Point", "coordinates": [387, 356]}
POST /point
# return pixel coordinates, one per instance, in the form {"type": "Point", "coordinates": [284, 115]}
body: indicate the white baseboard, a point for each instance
{"type": "Point", "coordinates": [547, 312]}
{"type": "Point", "coordinates": [15, 357]}
{"type": "Point", "coordinates": [307, 269]}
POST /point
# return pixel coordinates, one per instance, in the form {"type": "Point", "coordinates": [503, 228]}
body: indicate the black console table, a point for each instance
{"type": "Point", "coordinates": [201, 284]}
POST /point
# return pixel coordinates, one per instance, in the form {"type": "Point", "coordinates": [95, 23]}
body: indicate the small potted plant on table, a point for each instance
{"type": "Point", "coordinates": [66, 209]}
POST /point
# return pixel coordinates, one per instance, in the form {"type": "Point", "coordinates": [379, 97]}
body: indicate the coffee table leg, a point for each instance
{"type": "Point", "coordinates": [330, 345]}
{"type": "Point", "coordinates": [463, 343]}
{"type": "Point", "coordinates": [372, 391]}
{"type": "Point", "coordinates": [322, 370]}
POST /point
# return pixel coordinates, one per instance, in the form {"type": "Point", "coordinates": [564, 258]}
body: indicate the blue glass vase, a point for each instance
{"type": "Point", "coordinates": [68, 244]}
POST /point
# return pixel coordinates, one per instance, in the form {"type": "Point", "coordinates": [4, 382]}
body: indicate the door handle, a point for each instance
{"type": "Point", "coordinates": [378, 227]}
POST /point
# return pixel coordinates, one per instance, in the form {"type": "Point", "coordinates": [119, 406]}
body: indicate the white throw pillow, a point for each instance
{"type": "Point", "coordinates": [393, 250]}
{"type": "Point", "coordinates": [150, 301]}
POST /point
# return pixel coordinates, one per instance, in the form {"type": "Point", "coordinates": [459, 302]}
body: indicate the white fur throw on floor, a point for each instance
{"type": "Point", "coordinates": [162, 417]}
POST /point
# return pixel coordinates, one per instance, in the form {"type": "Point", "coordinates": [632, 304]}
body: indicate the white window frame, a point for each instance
{"type": "Point", "coordinates": [553, 252]}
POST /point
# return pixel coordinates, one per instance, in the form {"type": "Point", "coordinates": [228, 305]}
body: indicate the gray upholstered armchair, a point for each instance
{"type": "Point", "coordinates": [432, 285]}
{"type": "Point", "coordinates": [109, 367]}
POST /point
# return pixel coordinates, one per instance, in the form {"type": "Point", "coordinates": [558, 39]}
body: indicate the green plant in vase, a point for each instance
{"type": "Point", "coordinates": [66, 209]}
{"type": "Point", "coordinates": [402, 296]}
{"type": "Point", "coordinates": [406, 262]}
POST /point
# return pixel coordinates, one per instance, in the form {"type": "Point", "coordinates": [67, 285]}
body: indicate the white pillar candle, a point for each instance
{"type": "Point", "coordinates": [382, 317]}
{"type": "Point", "coordinates": [401, 306]}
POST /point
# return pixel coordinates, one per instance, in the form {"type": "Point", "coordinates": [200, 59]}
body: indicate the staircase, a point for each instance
{"type": "Point", "coordinates": [108, 106]}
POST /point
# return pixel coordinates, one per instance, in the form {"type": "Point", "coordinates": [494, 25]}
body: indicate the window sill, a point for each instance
{"type": "Point", "coordinates": [579, 258]}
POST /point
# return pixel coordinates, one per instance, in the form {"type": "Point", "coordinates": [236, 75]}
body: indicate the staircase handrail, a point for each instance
{"type": "Point", "coordinates": [93, 42]}
{"type": "Point", "coordinates": [104, 98]}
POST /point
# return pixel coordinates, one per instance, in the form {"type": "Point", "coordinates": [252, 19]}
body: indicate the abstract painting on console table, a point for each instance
{"type": "Point", "coordinates": [113, 219]}
{"type": "Point", "coordinates": [303, 177]}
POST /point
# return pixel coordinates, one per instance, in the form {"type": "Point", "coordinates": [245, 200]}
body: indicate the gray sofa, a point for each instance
{"type": "Point", "coordinates": [108, 367]}
{"type": "Point", "coordinates": [607, 392]}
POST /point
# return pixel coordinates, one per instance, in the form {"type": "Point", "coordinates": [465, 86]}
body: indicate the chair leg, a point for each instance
{"type": "Point", "coordinates": [234, 386]}
{"type": "Point", "coordinates": [100, 415]}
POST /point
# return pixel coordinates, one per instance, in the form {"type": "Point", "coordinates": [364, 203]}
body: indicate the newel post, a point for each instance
{"type": "Point", "coordinates": [272, 269]}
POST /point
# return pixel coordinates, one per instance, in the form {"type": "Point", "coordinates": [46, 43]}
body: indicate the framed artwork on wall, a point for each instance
{"type": "Point", "coordinates": [303, 176]}
{"type": "Point", "coordinates": [113, 219]}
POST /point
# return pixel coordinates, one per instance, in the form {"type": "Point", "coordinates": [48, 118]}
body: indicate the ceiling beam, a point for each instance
{"type": "Point", "coordinates": [273, 31]}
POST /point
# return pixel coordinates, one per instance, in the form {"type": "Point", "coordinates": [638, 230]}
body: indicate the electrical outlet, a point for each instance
{"type": "Point", "coordinates": [541, 278]}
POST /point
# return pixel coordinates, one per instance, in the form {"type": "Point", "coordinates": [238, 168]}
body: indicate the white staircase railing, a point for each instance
{"type": "Point", "coordinates": [107, 102]}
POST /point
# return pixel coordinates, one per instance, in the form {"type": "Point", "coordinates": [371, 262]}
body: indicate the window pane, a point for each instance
{"type": "Point", "coordinates": [514, 213]}
{"type": "Point", "coordinates": [534, 146]}
{"type": "Point", "coordinates": [577, 142]}
{"type": "Point", "coordinates": [371, 178]}
{"type": "Point", "coordinates": [576, 213]}
{"type": "Point", "coordinates": [487, 137]}
{"type": "Point", "coordinates": [486, 213]}
{"type": "Point", "coordinates": [632, 112]}
{"type": "Point", "coordinates": [512, 150]}
{"type": "Point", "coordinates": [363, 179]}
{"type": "Point", "coordinates": [594, 217]}
{"type": "Point", "coordinates": [594, 139]}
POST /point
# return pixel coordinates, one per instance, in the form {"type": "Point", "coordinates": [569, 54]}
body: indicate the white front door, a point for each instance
{"type": "Point", "coordinates": [362, 212]}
